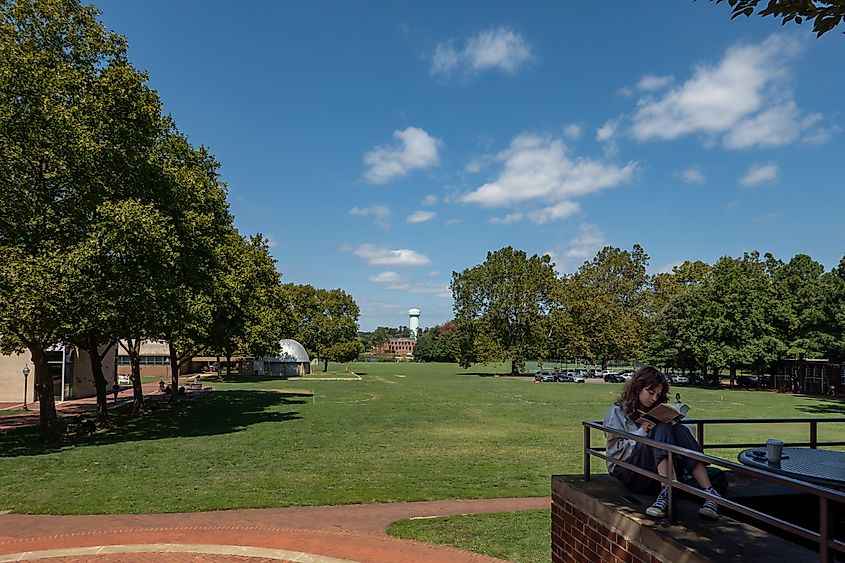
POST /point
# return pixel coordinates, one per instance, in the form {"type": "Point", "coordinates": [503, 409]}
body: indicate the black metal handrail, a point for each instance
{"type": "Point", "coordinates": [823, 538]}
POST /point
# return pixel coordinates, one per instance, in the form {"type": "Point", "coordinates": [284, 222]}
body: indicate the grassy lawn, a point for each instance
{"type": "Point", "coordinates": [404, 432]}
{"type": "Point", "coordinates": [515, 536]}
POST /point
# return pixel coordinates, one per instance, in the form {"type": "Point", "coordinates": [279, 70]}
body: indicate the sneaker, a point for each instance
{"type": "Point", "coordinates": [660, 505]}
{"type": "Point", "coordinates": [710, 509]}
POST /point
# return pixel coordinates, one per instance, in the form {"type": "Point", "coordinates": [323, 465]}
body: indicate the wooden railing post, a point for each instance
{"type": "Point", "coordinates": [670, 473]}
{"type": "Point", "coordinates": [825, 524]}
{"type": "Point", "coordinates": [814, 434]}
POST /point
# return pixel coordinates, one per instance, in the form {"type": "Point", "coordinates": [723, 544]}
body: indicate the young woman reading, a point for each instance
{"type": "Point", "coordinates": [647, 388]}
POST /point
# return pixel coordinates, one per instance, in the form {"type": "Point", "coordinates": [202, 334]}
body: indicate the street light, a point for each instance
{"type": "Point", "coordinates": [25, 371]}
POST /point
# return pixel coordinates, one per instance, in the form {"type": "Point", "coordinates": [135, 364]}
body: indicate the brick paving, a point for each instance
{"type": "Point", "coordinates": [351, 533]}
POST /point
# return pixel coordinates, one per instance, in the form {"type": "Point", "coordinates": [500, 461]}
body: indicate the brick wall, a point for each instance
{"type": "Point", "coordinates": [578, 537]}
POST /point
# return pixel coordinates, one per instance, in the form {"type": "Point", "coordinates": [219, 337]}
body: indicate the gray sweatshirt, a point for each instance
{"type": "Point", "coordinates": [618, 447]}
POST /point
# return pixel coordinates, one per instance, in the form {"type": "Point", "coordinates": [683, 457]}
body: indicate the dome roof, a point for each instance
{"type": "Point", "coordinates": [414, 312]}
{"type": "Point", "coordinates": [291, 351]}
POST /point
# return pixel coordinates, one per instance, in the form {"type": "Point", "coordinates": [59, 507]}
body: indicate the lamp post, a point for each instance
{"type": "Point", "coordinates": [25, 371]}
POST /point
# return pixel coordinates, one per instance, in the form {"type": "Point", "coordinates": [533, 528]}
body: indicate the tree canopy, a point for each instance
{"type": "Point", "coordinates": [825, 14]}
{"type": "Point", "coordinates": [501, 307]}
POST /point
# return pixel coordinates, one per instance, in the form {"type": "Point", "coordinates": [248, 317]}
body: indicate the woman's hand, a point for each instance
{"type": "Point", "coordinates": [647, 426]}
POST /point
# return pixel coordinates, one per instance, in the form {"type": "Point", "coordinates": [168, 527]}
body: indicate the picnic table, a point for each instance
{"type": "Point", "coordinates": [822, 467]}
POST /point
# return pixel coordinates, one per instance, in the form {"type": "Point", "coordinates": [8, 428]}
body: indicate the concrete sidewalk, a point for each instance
{"type": "Point", "coordinates": [319, 534]}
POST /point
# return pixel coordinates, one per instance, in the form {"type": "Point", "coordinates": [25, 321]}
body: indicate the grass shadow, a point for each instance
{"type": "Point", "coordinates": [825, 405]}
{"type": "Point", "coordinates": [219, 412]}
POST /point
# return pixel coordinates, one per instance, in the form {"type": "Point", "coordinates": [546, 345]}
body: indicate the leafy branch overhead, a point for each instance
{"type": "Point", "coordinates": [825, 14]}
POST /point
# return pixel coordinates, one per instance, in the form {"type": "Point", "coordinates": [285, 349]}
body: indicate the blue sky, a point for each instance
{"type": "Point", "coordinates": [380, 146]}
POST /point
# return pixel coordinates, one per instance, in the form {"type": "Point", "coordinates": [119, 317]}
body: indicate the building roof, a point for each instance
{"type": "Point", "coordinates": [290, 351]}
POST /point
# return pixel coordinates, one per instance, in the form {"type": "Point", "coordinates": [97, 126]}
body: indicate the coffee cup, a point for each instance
{"type": "Point", "coordinates": [774, 450]}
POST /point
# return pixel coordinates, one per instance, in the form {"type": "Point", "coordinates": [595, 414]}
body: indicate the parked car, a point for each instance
{"type": "Point", "coordinates": [614, 378]}
{"type": "Point", "coordinates": [754, 381]}
{"type": "Point", "coordinates": [544, 376]}
{"type": "Point", "coordinates": [676, 379]}
{"type": "Point", "coordinates": [569, 378]}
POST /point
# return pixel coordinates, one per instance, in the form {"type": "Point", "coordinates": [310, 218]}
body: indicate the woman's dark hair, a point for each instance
{"type": "Point", "coordinates": [643, 378]}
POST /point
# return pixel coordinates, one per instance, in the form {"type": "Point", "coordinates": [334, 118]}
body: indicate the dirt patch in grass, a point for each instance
{"type": "Point", "coordinates": [307, 392]}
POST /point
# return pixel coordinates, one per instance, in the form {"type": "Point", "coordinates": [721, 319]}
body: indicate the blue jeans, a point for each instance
{"type": "Point", "coordinates": [647, 457]}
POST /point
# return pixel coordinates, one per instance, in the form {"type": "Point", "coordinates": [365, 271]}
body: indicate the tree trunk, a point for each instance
{"type": "Point", "coordinates": [133, 348]}
{"type": "Point", "coordinates": [174, 373]}
{"type": "Point", "coordinates": [91, 346]}
{"type": "Point", "coordinates": [228, 366]}
{"type": "Point", "coordinates": [515, 367]}
{"type": "Point", "coordinates": [49, 421]}
{"type": "Point", "coordinates": [325, 365]}
{"type": "Point", "coordinates": [732, 374]}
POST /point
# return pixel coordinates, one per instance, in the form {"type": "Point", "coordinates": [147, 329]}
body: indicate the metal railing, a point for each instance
{"type": "Point", "coordinates": [823, 538]}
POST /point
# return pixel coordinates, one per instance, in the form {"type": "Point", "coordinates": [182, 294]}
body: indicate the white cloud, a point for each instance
{"type": "Point", "coordinates": [759, 174]}
{"type": "Point", "coordinates": [778, 125]}
{"type": "Point", "coordinates": [438, 290]}
{"type": "Point", "coordinates": [449, 222]}
{"type": "Point", "coordinates": [384, 256]}
{"type": "Point", "coordinates": [693, 175]}
{"type": "Point", "coordinates": [572, 131]}
{"type": "Point", "coordinates": [433, 274]}
{"type": "Point", "coordinates": [556, 212]}
{"type": "Point", "coordinates": [652, 83]}
{"type": "Point", "coordinates": [589, 241]}
{"type": "Point", "coordinates": [765, 218]}
{"type": "Point", "coordinates": [379, 213]}
{"type": "Point", "coordinates": [538, 168]}
{"type": "Point", "coordinates": [271, 242]}
{"type": "Point", "coordinates": [507, 219]}
{"type": "Point", "coordinates": [385, 277]}
{"type": "Point", "coordinates": [430, 200]}
{"type": "Point", "coordinates": [494, 49]}
{"type": "Point", "coordinates": [414, 149]}
{"type": "Point", "coordinates": [420, 216]}
{"type": "Point", "coordinates": [607, 131]}
{"type": "Point", "coordinates": [743, 101]}
{"type": "Point", "coordinates": [821, 135]}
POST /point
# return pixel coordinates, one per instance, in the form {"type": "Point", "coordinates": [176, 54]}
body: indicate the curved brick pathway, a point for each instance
{"type": "Point", "coordinates": [322, 534]}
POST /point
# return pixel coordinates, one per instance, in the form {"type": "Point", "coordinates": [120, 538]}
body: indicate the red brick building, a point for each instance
{"type": "Point", "coordinates": [398, 347]}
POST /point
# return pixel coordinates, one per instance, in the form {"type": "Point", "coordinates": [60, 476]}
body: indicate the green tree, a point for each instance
{"type": "Point", "coordinates": [327, 322]}
{"type": "Point", "coordinates": [64, 87]}
{"type": "Point", "coordinates": [198, 216]}
{"type": "Point", "coordinates": [250, 313]}
{"type": "Point", "coordinates": [725, 321]}
{"type": "Point", "coordinates": [801, 316]}
{"type": "Point", "coordinates": [127, 238]}
{"type": "Point", "coordinates": [607, 302]}
{"type": "Point", "coordinates": [379, 337]}
{"type": "Point", "coordinates": [825, 14]}
{"type": "Point", "coordinates": [502, 306]}
{"type": "Point", "coordinates": [437, 344]}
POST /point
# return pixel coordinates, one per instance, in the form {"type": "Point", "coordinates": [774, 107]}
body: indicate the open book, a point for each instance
{"type": "Point", "coordinates": [664, 413]}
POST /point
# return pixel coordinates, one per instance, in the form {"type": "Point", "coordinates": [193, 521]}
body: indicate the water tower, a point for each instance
{"type": "Point", "coordinates": [414, 321]}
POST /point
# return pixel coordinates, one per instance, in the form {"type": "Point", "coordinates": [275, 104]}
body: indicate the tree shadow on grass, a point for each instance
{"type": "Point", "coordinates": [824, 405]}
{"type": "Point", "coordinates": [246, 378]}
{"type": "Point", "coordinates": [218, 412]}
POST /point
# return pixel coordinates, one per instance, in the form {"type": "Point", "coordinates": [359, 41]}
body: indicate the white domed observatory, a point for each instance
{"type": "Point", "coordinates": [414, 321]}
{"type": "Point", "coordinates": [292, 360]}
